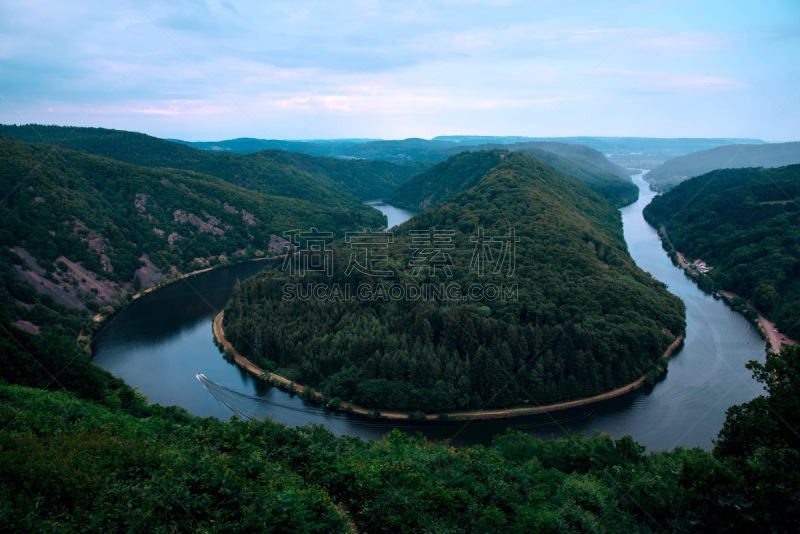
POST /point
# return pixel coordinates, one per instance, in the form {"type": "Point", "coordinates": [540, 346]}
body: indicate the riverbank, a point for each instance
{"type": "Point", "coordinates": [168, 281]}
{"type": "Point", "coordinates": [285, 383]}
{"type": "Point", "coordinates": [84, 341]}
{"type": "Point", "coordinates": [766, 328]}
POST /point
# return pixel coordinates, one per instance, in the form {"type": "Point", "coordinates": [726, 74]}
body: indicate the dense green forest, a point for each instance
{"type": "Point", "coordinates": [586, 164]}
{"type": "Point", "coordinates": [329, 180]}
{"type": "Point", "coordinates": [674, 144]}
{"type": "Point", "coordinates": [582, 320]}
{"type": "Point", "coordinates": [676, 170]}
{"type": "Point", "coordinates": [79, 231]}
{"type": "Point", "coordinates": [324, 180]}
{"type": "Point", "coordinates": [462, 171]}
{"type": "Point", "coordinates": [454, 175]}
{"type": "Point", "coordinates": [401, 150]}
{"type": "Point", "coordinates": [745, 223]}
{"type": "Point", "coordinates": [82, 451]}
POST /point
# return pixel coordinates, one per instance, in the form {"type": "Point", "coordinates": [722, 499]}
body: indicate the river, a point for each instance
{"type": "Point", "coordinates": [161, 340]}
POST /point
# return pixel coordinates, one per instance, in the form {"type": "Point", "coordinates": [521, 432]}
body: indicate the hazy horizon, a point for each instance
{"type": "Point", "coordinates": [367, 139]}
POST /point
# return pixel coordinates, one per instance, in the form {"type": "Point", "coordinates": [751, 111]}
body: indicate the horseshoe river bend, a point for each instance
{"type": "Point", "coordinates": [161, 340]}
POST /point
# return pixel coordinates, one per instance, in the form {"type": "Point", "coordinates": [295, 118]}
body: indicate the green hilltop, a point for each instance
{"type": "Point", "coordinates": [453, 175]}
{"type": "Point", "coordinates": [584, 162]}
{"type": "Point", "coordinates": [625, 151]}
{"type": "Point", "coordinates": [461, 171]}
{"type": "Point", "coordinates": [581, 153]}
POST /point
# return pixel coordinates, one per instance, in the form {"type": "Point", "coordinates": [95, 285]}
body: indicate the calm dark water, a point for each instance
{"type": "Point", "coordinates": [160, 341]}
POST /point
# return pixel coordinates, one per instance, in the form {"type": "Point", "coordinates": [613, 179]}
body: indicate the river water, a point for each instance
{"type": "Point", "coordinates": [161, 340]}
{"type": "Point", "coordinates": [394, 215]}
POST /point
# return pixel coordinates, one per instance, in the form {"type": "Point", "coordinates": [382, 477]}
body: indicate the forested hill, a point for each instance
{"type": "Point", "coordinates": [327, 180]}
{"type": "Point", "coordinates": [583, 162]}
{"type": "Point", "coordinates": [745, 223]}
{"type": "Point", "coordinates": [633, 151]}
{"type": "Point", "coordinates": [332, 181]}
{"type": "Point", "coordinates": [676, 170]}
{"type": "Point", "coordinates": [399, 150]}
{"type": "Point", "coordinates": [83, 230]}
{"type": "Point", "coordinates": [581, 153]}
{"type": "Point", "coordinates": [584, 318]}
{"type": "Point", "coordinates": [455, 174]}
{"type": "Point", "coordinates": [462, 171]}
{"type": "Point", "coordinates": [608, 183]}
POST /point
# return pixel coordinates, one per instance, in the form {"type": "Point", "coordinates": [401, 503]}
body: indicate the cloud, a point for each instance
{"type": "Point", "coordinates": [381, 100]}
{"type": "Point", "coordinates": [350, 63]}
{"type": "Point", "coordinates": [674, 82]}
{"type": "Point", "coordinates": [652, 40]}
{"type": "Point", "coordinates": [553, 41]}
{"type": "Point", "coordinates": [163, 107]}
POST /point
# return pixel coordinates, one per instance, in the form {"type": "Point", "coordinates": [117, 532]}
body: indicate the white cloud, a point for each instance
{"type": "Point", "coordinates": [674, 81]}
{"type": "Point", "coordinates": [161, 107]}
{"type": "Point", "coordinates": [473, 62]}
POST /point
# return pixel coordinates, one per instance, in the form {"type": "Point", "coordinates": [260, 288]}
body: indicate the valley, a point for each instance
{"type": "Point", "coordinates": [588, 276]}
{"type": "Point", "coordinates": [177, 344]}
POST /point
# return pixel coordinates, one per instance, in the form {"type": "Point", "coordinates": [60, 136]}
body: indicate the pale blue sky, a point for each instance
{"type": "Point", "coordinates": [371, 68]}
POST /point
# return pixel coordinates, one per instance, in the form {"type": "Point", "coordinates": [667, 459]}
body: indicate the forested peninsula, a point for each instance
{"type": "Point", "coordinates": [578, 317]}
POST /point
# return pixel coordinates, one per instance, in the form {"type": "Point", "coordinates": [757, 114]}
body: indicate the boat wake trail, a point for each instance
{"type": "Point", "coordinates": [246, 406]}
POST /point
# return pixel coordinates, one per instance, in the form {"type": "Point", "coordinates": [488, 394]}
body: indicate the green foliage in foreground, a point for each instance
{"type": "Point", "coordinates": [70, 461]}
{"type": "Point", "coordinates": [746, 224]}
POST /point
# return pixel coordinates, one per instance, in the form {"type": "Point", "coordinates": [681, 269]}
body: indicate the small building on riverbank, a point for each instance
{"type": "Point", "coordinates": [700, 266]}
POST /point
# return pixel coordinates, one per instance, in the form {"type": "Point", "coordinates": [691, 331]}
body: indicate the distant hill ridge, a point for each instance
{"type": "Point", "coordinates": [283, 168]}
{"type": "Point", "coordinates": [416, 149]}
{"type": "Point", "coordinates": [464, 169]}
{"type": "Point", "coordinates": [676, 170]}
{"type": "Point", "coordinates": [579, 152]}
{"type": "Point", "coordinates": [335, 182]}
